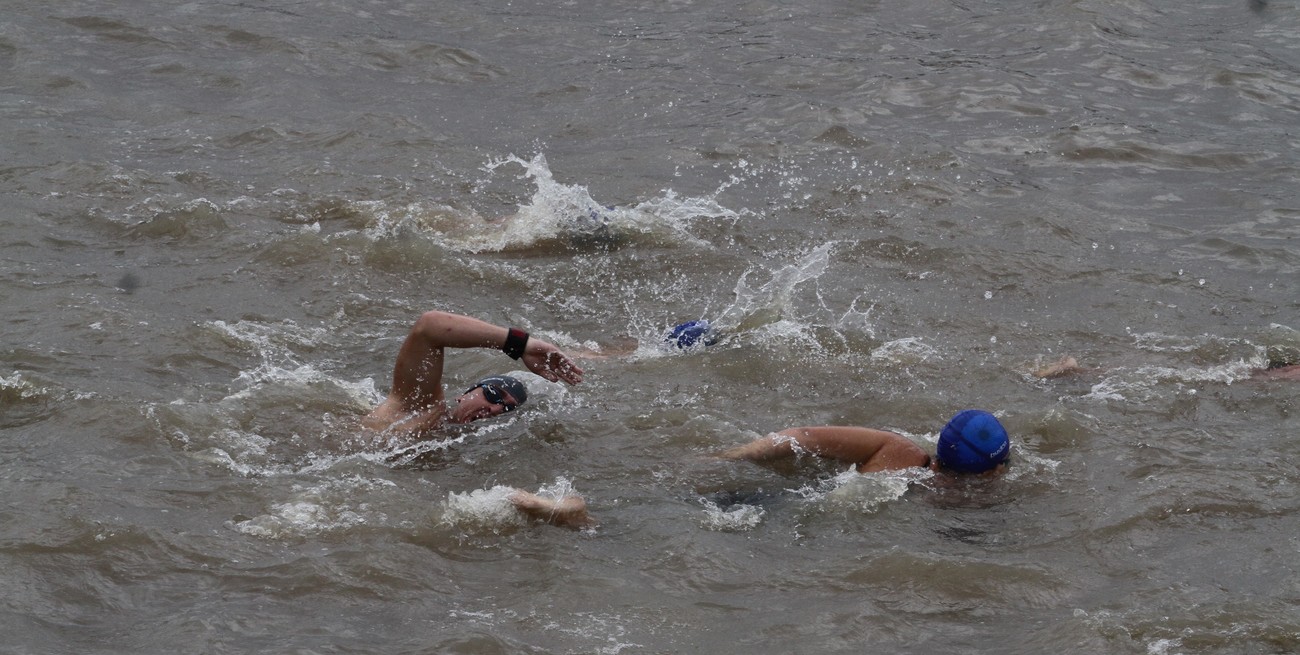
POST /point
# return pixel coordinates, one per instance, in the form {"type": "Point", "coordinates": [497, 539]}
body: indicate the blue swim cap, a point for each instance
{"type": "Point", "coordinates": [690, 333]}
{"type": "Point", "coordinates": [973, 442]}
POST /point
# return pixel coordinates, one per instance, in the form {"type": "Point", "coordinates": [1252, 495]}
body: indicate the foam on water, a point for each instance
{"type": "Point", "coordinates": [319, 507]}
{"type": "Point", "coordinates": [558, 212]}
{"type": "Point", "coordinates": [776, 310]}
{"type": "Point", "coordinates": [906, 351]}
{"type": "Point", "coordinates": [26, 400]}
{"type": "Point", "coordinates": [867, 493]}
{"type": "Point", "coordinates": [554, 215]}
{"type": "Point", "coordinates": [846, 490]}
{"type": "Point", "coordinates": [491, 509]}
{"type": "Point", "coordinates": [758, 305]}
{"type": "Point", "coordinates": [272, 342]}
{"type": "Point", "coordinates": [482, 509]}
{"type": "Point", "coordinates": [17, 388]}
{"type": "Point", "coordinates": [736, 518]}
{"type": "Point", "coordinates": [1144, 383]}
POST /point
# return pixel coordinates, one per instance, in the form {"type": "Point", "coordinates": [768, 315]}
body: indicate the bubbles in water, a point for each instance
{"type": "Point", "coordinates": [906, 351]}
{"type": "Point", "coordinates": [491, 508]}
{"type": "Point", "coordinates": [867, 493]}
{"type": "Point", "coordinates": [568, 214]}
{"type": "Point", "coordinates": [737, 518]}
{"type": "Point", "coordinates": [1164, 647]}
{"type": "Point", "coordinates": [319, 508]}
{"type": "Point", "coordinates": [482, 508]}
{"type": "Point", "coordinates": [761, 305]}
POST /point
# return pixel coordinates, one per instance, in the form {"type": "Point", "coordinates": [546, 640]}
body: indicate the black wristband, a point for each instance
{"type": "Point", "coordinates": [516, 341]}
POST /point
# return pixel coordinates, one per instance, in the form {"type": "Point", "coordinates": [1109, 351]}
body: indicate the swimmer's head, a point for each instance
{"type": "Point", "coordinates": [503, 390]}
{"type": "Point", "coordinates": [973, 442]}
{"type": "Point", "coordinates": [690, 334]}
{"type": "Point", "coordinates": [499, 394]}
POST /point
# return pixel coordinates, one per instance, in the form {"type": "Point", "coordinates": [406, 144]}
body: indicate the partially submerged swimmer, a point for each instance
{"type": "Point", "coordinates": [690, 334]}
{"type": "Point", "coordinates": [686, 336]}
{"type": "Point", "coordinates": [972, 442]}
{"type": "Point", "coordinates": [582, 229]}
{"type": "Point", "coordinates": [1276, 369]}
{"type": "Point", "coordinates": [1283, 372]}
{"type": "Point", "coordinates": [416, 406]}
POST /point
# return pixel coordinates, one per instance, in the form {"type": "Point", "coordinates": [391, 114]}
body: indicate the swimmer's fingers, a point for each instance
{"type": "Point", "coordinates": [547, 361]}
{"type": "Point", "coordinates": [562, 367]}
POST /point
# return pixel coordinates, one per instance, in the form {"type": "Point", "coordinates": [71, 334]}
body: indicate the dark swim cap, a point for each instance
{"type": "Point", "coordinates": [690, 333]}
{"type": "Point", "coordinates": [973, 442]}
{"type": "Point", "coordinates": [505, 383]}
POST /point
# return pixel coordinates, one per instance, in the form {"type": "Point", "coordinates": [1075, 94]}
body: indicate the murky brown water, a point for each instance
{"type": "Point", "coordinates": [221, 218]}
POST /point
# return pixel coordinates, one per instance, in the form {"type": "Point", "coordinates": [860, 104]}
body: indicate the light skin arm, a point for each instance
{"type": "Point", "coordinates": [1288, 372]}
{"type": "Point", "coordinates": [1070, 366]}
{"type": "Point", "coordinates": [868, 449]}
{"type": "Point", "coordinates": [567, 512]}
{"type": "Point", "coordinates": [417, 376]}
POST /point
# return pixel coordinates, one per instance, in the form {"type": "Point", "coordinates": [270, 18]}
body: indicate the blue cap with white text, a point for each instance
{"type": "Point", "coordinates": [973, 442]}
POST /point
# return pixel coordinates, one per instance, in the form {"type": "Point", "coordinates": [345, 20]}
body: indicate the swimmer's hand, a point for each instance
{"type": "Point", "coordinates": [566, 512]}
{"type": "Point", "coordinates": [549, 362]}
{"type": "Point", "coordinates": [1067, 365]}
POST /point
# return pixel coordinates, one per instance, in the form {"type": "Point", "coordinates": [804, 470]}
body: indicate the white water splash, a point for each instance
{"type": "Point", "coordinates": [910, 350]}
{"type": "Point", "coordinates": [491, 508]}
{"type": "Point", "coordinates": [320, 508]}
{"type": "Point", "coordinates": [1144, 383]}
{"type": "Point", "coordinates": [568, 213]}
{"type": "Point", "coordinates": [482, 508]}
{"type": "Point", "coordinates": [756, 306]}
{"type": "Point", "coordinates": [869, 492]}
{"type": "Point", "coordinates": [737, 518]}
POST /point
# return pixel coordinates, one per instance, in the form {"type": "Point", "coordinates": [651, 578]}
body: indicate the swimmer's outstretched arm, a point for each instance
{"type": "Point", "coordinates": [1066, 365]}
{"type": "Point", "coordinates": [619, 347]}
{"type": "Point", "coordinates": [566, 512]}
{"type": "Point", "coordinates": [854, 445]}
{"type": "Point", "coordinates": [1284, 372]}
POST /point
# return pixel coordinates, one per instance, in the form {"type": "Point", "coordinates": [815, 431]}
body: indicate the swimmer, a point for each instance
{"type": "Point", "coordinates": [416, 403]}
{"type": "Point", "coordinates": [1276, 369]}
{"type": "Point", "coordinates": [972, 442]}
{"type": "Point", "coordinates": [690, 334]}
{"type": "Point", "coordinates": [1065, 366]}
{"type": "Point", "coordinates": [583, 229]}
{"type": "Point", "coordinates": [416, 406]}
{"type": "Point", "coordinates": [686, 336]}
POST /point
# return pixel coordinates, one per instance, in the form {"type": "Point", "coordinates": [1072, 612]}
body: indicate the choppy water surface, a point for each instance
{"type": "Point", "coordinates": [221, 219]}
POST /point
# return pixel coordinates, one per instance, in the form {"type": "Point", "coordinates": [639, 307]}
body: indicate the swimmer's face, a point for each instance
{"type": "Point", "coordinates": [994, 472]}
{"type": "Point", "coordinates": [482, 402]}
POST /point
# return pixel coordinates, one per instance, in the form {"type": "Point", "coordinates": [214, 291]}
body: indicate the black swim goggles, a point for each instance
{"type": "Point", "coordinates": [494, 395]}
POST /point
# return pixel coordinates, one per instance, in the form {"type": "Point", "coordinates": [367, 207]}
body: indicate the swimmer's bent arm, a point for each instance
{"type": "Point", "coordinates": [854, 445]}
{"type": "Point", "coordinates": [417, 377]}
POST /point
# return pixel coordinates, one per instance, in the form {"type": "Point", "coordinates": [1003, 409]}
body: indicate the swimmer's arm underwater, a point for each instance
{"type": "Point", "coordinates": [866, 448]}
